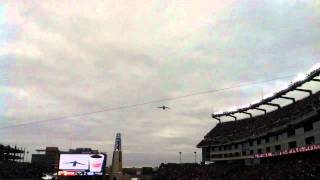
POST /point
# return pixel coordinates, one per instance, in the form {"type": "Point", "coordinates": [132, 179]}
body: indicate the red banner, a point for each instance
{"type": "Point", "coordinates": [290, 151]}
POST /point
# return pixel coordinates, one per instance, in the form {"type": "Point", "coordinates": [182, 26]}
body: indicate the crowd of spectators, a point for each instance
{"type": "Point", "coordinates": [226, 132]}
{"type": "Point", "coordinates": [190, 172]}
{"type": "Point", "coordinates": [306, 169]}
{"type": "Point", "coordinates": [19, 170]}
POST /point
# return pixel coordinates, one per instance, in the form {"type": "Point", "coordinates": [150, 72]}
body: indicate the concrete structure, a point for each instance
{"type": "Point", "coordinates": [50, 157]}
{"type": "Point", "coordinates": [292, 127]}
{"type": "Point", "coordinates": [116, 169]}
{"type": "Point", "coordinates": [305, 131]}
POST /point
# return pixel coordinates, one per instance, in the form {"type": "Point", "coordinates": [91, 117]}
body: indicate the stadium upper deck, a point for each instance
{"type": "Point", "coordinates": [291, 126]}
{"type": "Point", "coordinates": [295, 86]}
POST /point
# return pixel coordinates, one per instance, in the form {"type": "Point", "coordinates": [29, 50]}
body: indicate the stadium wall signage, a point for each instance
{"type": "Point", "coordinates": [290, 151]}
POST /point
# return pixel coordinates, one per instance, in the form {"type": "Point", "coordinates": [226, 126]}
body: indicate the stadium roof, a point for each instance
{"type": "Point", "coordinates": [294, 86]}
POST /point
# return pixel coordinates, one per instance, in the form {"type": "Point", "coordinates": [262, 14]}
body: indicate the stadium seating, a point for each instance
{"type": "Point", "coordinates": [234, 130]}
{"type": "Point", "coordinates": [306, 168]}
{"type": "Point", "coordinates": [16, 170]}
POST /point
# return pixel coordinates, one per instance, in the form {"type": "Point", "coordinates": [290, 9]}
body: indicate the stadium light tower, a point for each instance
{"type": "Point", "coordinates": [27, 156]}
{"type": "Point", "coordinates": [24, 155]}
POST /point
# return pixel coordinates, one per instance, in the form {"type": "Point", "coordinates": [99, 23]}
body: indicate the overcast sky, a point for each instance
{"type": "Point", "coordinates": [62, 58]}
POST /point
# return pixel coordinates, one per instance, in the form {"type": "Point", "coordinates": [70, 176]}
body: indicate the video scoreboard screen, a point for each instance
{"type": "Point", "coordinates": [82, 164]}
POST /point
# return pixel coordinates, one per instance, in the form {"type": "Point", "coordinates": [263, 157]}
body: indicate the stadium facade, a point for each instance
{"type": "Point", "coordinates": [290, 129]}
{"type": "Point", "coordinates": [10, 153]}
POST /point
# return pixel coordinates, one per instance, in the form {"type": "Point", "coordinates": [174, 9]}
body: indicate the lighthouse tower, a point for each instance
{"type": "Point", "coordinates": [116, 170]}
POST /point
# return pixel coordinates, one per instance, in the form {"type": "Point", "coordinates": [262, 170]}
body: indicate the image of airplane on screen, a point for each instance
{"type": "Point", "coordinates": [74, 163]}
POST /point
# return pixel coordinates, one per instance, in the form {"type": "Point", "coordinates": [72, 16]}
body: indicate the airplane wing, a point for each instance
{"type": "Point", "coordinates": [69, 163]}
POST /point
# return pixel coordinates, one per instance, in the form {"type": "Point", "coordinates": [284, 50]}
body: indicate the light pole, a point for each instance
{"type": "Point", "coordinates": [27, 156]}
{"type": "Point", "coordinates": [24, 155]}
{"type": "Point", "coordinates": [195, 157]}
{"type": "Point", "coordinates": [180, 157]}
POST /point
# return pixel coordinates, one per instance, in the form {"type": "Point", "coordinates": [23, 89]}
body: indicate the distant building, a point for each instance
{"type": "Point", "coordinates": [10, 153]}
{"type": "Point", "coordinates": [50, 157]}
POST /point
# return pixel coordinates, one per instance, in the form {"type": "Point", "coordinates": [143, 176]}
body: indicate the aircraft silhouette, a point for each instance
{"type": "Point", "coordinates": [74, 163]}
{"type": "Point", "coordinates": [164, 107]}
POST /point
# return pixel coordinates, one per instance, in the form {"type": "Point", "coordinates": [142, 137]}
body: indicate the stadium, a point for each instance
{"type": "Point", "coordinates": [160, 90]}
{"type": "Point", "coordinates": [280, 144]}
{"type": "Point", "coordinates": [274, 133]}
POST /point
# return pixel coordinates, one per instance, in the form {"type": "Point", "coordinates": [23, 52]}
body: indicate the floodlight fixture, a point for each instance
{"type": "Point", "coordinates": [300, 77]}
{"type": "Point", "coordinates": [314, 67]}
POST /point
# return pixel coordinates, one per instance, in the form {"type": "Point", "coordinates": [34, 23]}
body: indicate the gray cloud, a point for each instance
{"type": "Point", "coordinates": [69, 58]}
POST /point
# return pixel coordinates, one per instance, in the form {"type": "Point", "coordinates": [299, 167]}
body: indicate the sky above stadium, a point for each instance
{"type": "Point", "coordinates": [64, 58]}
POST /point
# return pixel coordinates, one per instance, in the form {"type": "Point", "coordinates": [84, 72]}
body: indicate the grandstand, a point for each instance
{"type": "Point", "coordinates": [287, 130]}
{"type": "Point", "coordinates": [13, 165]}
{"type": "Point", "coordinates": [8, 153]}
{"type": "Point", "coordinates": [276, 144]}
{"type": "Point", "coordinates": [279, 144]}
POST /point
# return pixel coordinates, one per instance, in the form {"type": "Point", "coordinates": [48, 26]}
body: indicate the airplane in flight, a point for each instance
{"type": "Point", "coordinates": [74, 163]}
{"type": "Point", "coordinates": [163, 107]}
